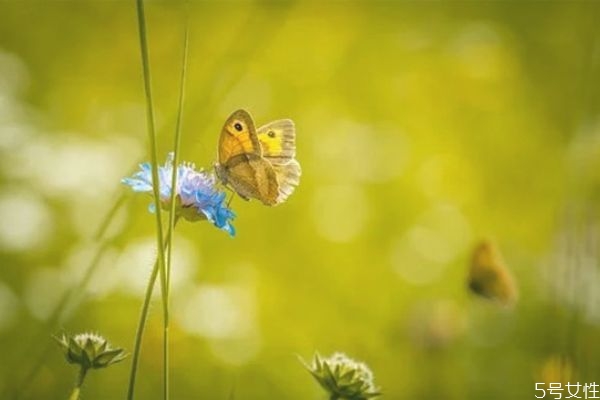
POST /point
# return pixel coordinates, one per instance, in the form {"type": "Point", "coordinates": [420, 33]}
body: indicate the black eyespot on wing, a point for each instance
{"type": "Point", "coordinates": [271, 134]}
{"type": "Point", "coordinates": [238, 127]}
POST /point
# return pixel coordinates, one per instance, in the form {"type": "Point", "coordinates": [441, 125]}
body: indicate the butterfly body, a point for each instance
{"type": "Point", "coordinates": [258, 163]}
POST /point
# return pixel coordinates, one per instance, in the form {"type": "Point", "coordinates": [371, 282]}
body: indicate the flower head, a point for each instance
{"type": "Point", "coordinates": [89, 350]}
{"type": "Point", "coordinates": [196, 195]}
{"type": "Point", "coordinates": [343, 377]}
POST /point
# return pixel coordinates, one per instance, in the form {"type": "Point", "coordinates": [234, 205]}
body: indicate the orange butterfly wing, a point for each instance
{"type": "Point", "coordinates": [238, 137]}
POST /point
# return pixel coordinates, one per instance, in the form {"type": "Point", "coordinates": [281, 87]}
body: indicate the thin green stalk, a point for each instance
{"type": "Point", "coordinates": [77, 389]}
{"type": "Point", "coordinates": [75, 393]}
{"type": "Point", "coordinates": [160, 264]}
{"type": "Point", "coordinates": [139, 334]}
{"type": "Point", "coordinates": [177, 143]}
{"type": "Point", "coordinates": [151, 137]}
{"type": "Point", "coordinates": [172, 217]}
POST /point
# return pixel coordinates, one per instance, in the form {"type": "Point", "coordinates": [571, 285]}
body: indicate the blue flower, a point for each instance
{"type": "Point", "coordinates": [196, 194]}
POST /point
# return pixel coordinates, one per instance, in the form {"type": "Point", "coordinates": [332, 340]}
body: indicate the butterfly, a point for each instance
{"type": "Point", "coordinates": [489, 277]}
{"type": "Point", "coordinates": [258, 163]}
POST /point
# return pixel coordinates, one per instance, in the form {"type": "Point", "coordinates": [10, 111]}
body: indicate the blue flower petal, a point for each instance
{"type": "Point", "coordinates": [194, 188]}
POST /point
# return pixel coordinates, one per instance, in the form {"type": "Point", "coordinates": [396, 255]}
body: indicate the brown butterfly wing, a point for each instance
{"type": "Point", "coordinates": [254, 178]}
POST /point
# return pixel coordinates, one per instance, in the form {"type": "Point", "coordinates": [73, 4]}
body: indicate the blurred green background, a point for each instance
{"type": "Point", "coordinates": [422, 128]}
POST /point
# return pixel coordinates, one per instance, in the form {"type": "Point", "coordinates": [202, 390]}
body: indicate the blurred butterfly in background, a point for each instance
{"type": "Point", "coordinates": [258, 163]}
{"type": "Point", "coordinates": [489, 277]}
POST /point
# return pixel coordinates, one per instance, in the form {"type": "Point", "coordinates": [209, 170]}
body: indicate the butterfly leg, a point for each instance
{"type": "Point", "coordinates": [233, 193]}
{"type": "Point", "coordinates": [230, 199]}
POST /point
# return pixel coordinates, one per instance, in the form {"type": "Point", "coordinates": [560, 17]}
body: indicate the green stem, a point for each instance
{"type": "Point", "coordinates": [160, 264]}
{"type": "Point", "coordinates": [140, 332]}
{"type": "Point", "coordinates": [177, 144]}
{"type": "Point", "coordinates": [75, 393]}
{"type": "Point", "coordinates": [172, 219]}
{"type": "Point", "coordinates": [77, 389]}
{"type": "Point", "coordinates": [142, 323]}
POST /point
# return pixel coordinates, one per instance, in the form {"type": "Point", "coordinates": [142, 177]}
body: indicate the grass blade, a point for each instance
{"type": "Point", "coordinates": [172, 217]}
{"type": "Point", "coordinates": [156, 191]}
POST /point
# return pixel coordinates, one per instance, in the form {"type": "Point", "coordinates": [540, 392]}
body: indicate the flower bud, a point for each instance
{"type": "Point", "coordinates": [343, 378]}
{"type": "Point", "coordinates": [89, 350]}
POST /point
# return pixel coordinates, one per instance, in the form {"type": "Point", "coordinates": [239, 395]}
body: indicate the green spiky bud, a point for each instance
{"type": "Point", "coordinates": [343, 378]}
{"type": "Point", "coordinates": [89, 350]}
